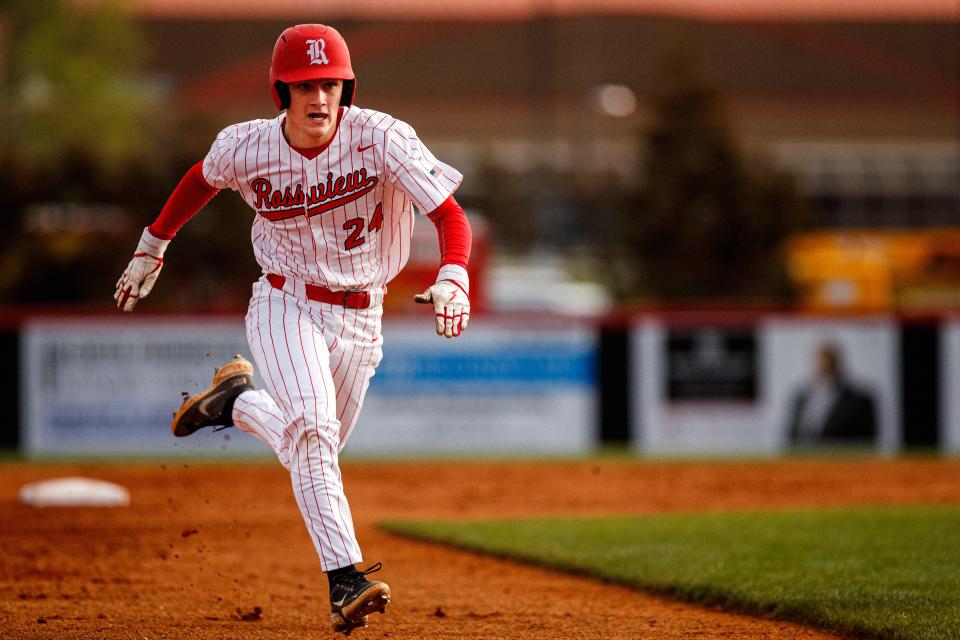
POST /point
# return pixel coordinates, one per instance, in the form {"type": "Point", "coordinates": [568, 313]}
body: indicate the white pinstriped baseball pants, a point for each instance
{"type": "Point", "coordinates": [316, 360]}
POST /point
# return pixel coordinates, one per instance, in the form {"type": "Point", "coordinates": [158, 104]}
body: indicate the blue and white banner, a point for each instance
{"type": "Point", "coordinates": [495, 390]}
{"type": "Point", "coordinates": [94, 387]}
{"type": "Point", "coordinates": [105, 386]}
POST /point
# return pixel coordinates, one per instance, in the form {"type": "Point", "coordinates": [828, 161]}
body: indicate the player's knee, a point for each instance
{"type": "Point", "coordinates": [310, 430]}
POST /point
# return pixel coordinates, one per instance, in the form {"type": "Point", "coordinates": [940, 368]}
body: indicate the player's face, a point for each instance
{"type": "Point", "coordinates": [312, 114]}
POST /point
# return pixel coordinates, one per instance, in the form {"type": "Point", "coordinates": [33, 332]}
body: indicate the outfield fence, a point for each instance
{"type": "Point", "coordinates": [690, 383]}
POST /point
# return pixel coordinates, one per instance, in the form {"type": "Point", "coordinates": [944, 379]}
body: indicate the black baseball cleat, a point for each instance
{"type": "Point", "coordinates": [214, 406]}
{"type": "Point", "coordinates": [353, 597]}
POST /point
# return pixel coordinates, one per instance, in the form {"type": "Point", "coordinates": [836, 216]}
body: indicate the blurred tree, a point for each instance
{"type": "Point", "coordinates": [82, 170]}
{"type": "Point", "coordinates": [708, 224]}
{"type": "Point", "coordinates": [70, 81]}
{"type": "Point", "coordinates": [505, 199]}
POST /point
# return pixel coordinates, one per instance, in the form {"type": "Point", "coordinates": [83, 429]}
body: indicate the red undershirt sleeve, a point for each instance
{"type": "Point", "coordinates": [187, 199]}
{"type": "Point", "coordinates": [453, 231]}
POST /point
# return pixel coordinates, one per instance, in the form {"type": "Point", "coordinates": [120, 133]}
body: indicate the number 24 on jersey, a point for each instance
{"type": "Point", "coordinates": [355, 227]}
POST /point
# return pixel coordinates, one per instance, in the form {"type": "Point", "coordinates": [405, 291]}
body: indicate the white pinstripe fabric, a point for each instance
{"type": "Point", "coordinates": [314, 248]}
{"type": "Point", "coordinates": [317, 360]}
{"type": "Point", "coordinates": [258, 414]}
{"type": "Point", "coordinates": [319, 222]}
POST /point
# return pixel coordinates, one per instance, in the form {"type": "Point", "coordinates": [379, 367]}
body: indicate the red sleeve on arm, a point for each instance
{"type": "Point", "coordinates": [186, 200]}
{"type": "Point", "coordinates": [453, 231]}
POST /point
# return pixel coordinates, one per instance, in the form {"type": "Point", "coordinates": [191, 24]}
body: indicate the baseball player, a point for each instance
{"type": "Point", "coordinates": [333, 187]}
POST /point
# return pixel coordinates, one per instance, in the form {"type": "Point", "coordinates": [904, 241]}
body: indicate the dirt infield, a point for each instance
{"type": "Point", "coordinates": [219, 551]}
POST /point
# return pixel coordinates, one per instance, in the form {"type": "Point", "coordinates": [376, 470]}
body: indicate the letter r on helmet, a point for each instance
{"type": "Point", "coordinates": [316, 53]}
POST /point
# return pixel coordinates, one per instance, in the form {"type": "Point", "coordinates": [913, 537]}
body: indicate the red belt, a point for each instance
{"type": "Point", "coordinates": [350, 299]}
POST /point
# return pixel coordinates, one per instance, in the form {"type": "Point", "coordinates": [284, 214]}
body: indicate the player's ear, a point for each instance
{"type": "Point", "coordinates": [283, 91]}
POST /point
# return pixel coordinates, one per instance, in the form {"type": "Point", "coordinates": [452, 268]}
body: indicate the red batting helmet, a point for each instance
{"type": "Point", "coordinates": [310, 52]}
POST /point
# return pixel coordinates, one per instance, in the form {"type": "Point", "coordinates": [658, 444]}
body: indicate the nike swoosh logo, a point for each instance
{"type": "Point", "coordinates": [362, 149]}
{"type": "Point", "coordinates": [205, 403]}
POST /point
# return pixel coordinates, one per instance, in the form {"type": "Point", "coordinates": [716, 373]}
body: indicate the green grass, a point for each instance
{"type": "Point", "coordinates": [891, 572]}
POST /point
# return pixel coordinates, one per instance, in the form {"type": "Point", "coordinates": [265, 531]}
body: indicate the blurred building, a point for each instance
{"type": "Point", "coordinates": [860, 98]}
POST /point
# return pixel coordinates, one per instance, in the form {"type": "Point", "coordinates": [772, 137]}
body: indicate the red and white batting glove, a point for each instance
{"type": "Point", "coordinates": [450, 296]}
{"type": "Point", "coordinates": [140, 275]}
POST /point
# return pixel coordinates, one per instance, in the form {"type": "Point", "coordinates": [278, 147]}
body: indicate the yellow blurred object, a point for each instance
{"type": "Point", "coordinates": [866, 270]}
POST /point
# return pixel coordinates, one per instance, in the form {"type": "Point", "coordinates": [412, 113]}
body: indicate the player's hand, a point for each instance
{"type": "Point", "coordinates": [451, 305]}
{"type": "Point", "coordinates": [141, 274]}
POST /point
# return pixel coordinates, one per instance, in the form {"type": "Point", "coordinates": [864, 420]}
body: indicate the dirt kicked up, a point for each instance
{"type": "Point", "coordinates": [219, 551]}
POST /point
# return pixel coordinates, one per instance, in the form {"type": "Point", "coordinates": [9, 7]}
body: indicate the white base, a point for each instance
{"type": "Point", "coordinates": [74, 492]}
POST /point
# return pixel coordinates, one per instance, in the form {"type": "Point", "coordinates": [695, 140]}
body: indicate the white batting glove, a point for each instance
{"type": "Point", "coordinates": [140, 275]}
{"type": "Point", "coordinates": [451, 300]}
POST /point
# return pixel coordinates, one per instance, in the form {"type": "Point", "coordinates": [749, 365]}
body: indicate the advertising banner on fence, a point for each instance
{"type": "Point", "coordinates": [950, 385]}
{"type": "Point", "coordinates": [497, 389]}
{"type": "Point", "coordinates": [698, 390]}
{"type": "Point", "coordinates": [834, 383]}
{"type": "Point", "coordinates": [111, 387]}
{"type": "Point", "coordinates": [764, 386]}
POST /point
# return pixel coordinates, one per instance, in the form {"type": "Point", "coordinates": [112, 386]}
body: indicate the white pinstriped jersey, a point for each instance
{"type": "Point", "coordinates": [343, 219]}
